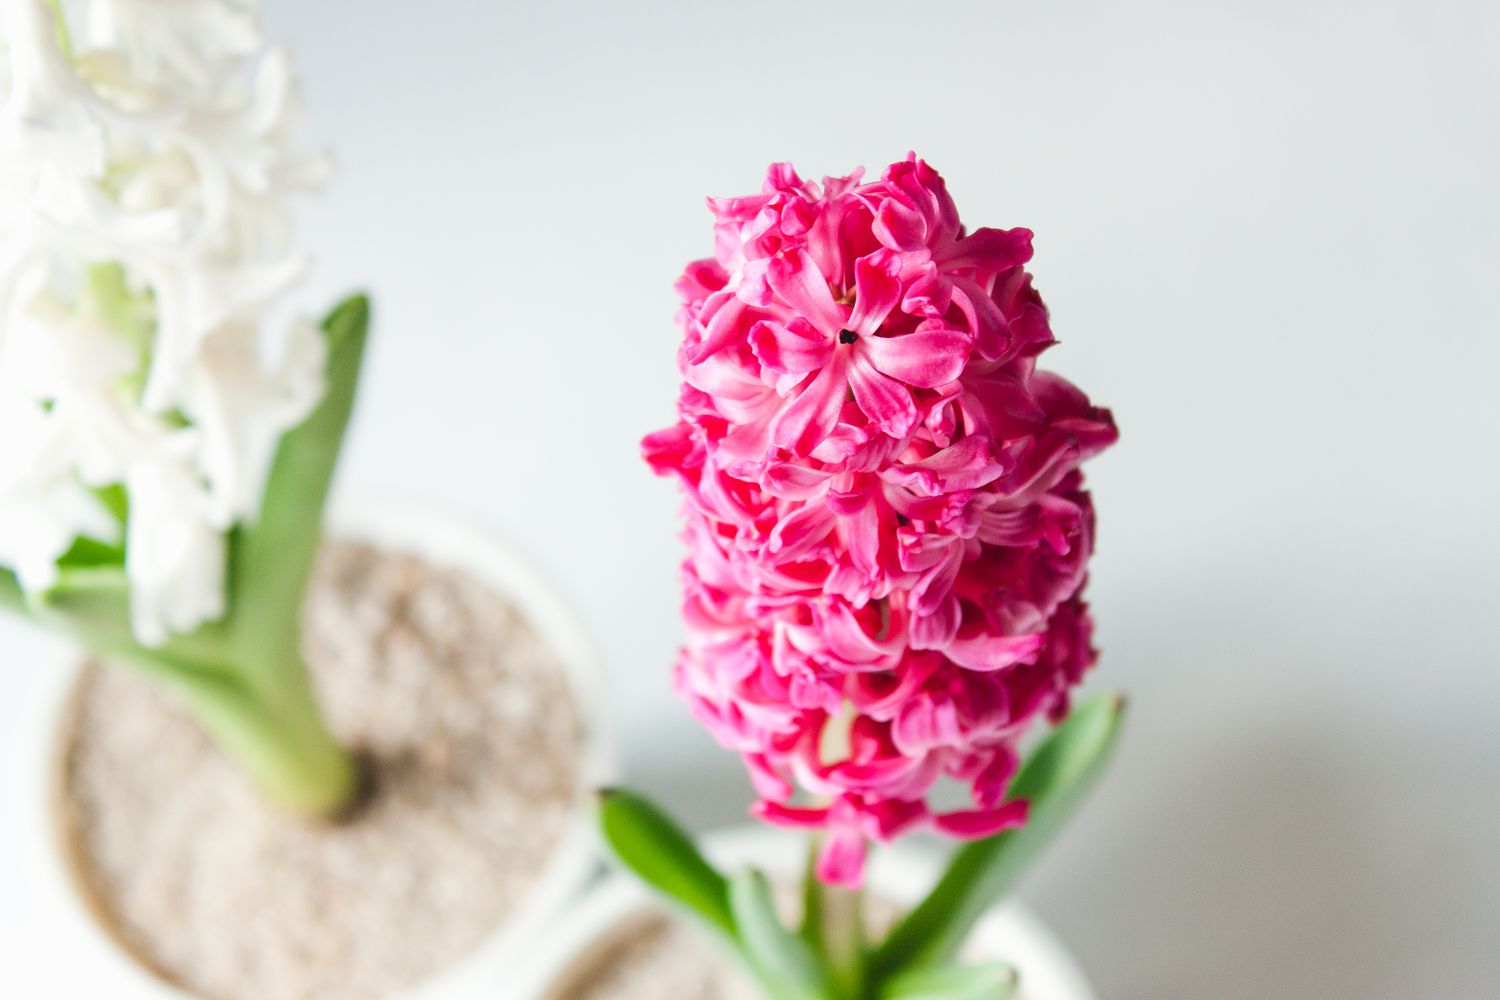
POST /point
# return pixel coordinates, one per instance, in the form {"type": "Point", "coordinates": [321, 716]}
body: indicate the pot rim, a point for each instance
{"type": "Point", "coordinates": [902, 871]}
{"type": "Point", "coordinates": [447, 541]}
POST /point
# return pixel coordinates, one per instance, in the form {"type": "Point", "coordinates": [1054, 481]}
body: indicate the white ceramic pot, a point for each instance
{"type": "Point", "coordinates": [96, 966]}
{"type": "Point", "coordinates": [901, 874]}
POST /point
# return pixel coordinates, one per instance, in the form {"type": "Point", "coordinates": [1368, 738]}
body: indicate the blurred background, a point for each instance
{"type": "Point", "coordinates": [1269, 234]}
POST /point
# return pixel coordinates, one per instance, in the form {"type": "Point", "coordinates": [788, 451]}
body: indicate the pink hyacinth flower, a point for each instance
{"type": "Point", "coordinates": [887, 529]}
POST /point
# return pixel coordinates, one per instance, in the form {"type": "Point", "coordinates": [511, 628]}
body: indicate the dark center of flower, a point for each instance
{"type": "Point", "coordinates": [847, 336]}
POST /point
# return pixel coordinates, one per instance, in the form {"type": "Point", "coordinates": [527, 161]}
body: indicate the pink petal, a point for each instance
{"type": "Point", "coordinates": [935, 587]}
{"type": "Point", "coordinates": [883, 400]}
{"type": "Point", "coordinates": [700, 279]}
{"type": "Point", "coordinates": [900, 227]}
{"type": "Point", "coordinates": [723, 327]}
{"type": "Point", "coordinates": [893, 817]}
{"type": "Point", "coordinates": [812, 416]}
{"type": "Point", "coordinates": [782, 177]}
{"type": "Point", "coordinates": [928, 295]}
{"type": "Point", "coordinates": [790, 816]}
{"type": "Point", "coordinates": [764, 777]}
{"type": "Point", "coordinates": [790, 481]}
{"type": "Point", "coordinates": [987, 249]}
{"type": "Point", "coordinates": [795, 348]}
{"type": "Point", "coordinates": [990, 784]}
{"type": "Point", "coordinates": [877, 290]}
{"type": "Point", "coordinates": [795, 277]}
{"type": "Point", "coordinates": [799, 531]}
{"type": "Point", "coordinates": [925, 724]}
{"type": "Point", "coordinates": [992, 332]}
{"type": "Point", "coordinates": [848, 639]}
{"type": "Point", "coordinates": [842, 860]}
{"type": "Point", "coordinates": [994, 652]}
{"type": "Point", "coordinates": [860, 530]}
{"type": "Point", "coordinates": [667, 451]}
{"type": "Point", "coordinates": [982, 823]}
{"type": "Point", "coordinates": [937, 628]}
{"type": "Point", "coordinates": [967, 465]}
{"type": "Point", "coordinates": [925, 358]}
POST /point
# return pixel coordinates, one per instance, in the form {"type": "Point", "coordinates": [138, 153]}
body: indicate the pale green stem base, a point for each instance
{"type": "Point", "coordinates": [844, 939]}
{"type": "Point", "coordinates": [834, 925]}
{"type": "Point", "coordinates": [282, 744]}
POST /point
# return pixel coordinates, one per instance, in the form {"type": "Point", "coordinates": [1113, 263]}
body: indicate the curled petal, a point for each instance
{"type": "Point", "coordinates": [900, 227]}
{"type": "Point", "coordinates": [859, 642]}
{"type": "Point", "coordinates": [799, 531]}
{"type": "Point", "coordinates": [883, 399]}
{"type": "Point", "coordinates": [929, 295]}
{"type": "Point", "coordinates": [995, 652]}
{"type": "Point", "coordinates": [967, 465]}
{"type": "Point", "coordinates": [982, 823]}
{"type": "Point", "coordinates": [796, 348]}
{"type": "Point", "coordinates": [991, 250]}
{"type": "Point", "coordinates": [924, 358]}
{"type": "Point", "coordinates": [877, 290]}
{"type": "Point", "coordinates": [722, 328]}
{"type": "Point", "coordinates": [795, 277]}
{"type": "Point", "coordinates": [790, 816]}
{"type": "Point", "coordinates": [925, 724]}
{"type": "Point", "coordinates": [936, 628]}
{"type": "Point", "coordinates": [842, 860]}
{"type": "Point", "coordinates": [812, 415]}
{"type": "Point", "coordinates": [790, 481]}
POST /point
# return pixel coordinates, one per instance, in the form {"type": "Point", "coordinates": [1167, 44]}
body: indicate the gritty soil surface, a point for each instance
{"type": "Point", "coordinates": [474, 739]}
{"type": "Point", "coordinates": [657, 958]}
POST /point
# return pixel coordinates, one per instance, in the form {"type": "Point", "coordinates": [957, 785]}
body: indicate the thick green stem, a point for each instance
{"type": "Point", "coordinates": [834, 925]}
{"type": "Point", "coordinates": [266, 720]}
{"type": "Point", "coordinates": [844, 938]}
{"type": "Point", "coordinates": [280, 740]}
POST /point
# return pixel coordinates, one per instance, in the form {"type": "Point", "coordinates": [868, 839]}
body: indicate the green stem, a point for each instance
{"type": "Point", "coordinates": [274, 731]}
{"type": "Point", "coordinates": [64, 38]}
{"type": "Point", "coordinates": [282, 742]}
{"type": "Point", "coordinates": [833, 923]}
{"type": "Point", "coordinates": [844, 938]}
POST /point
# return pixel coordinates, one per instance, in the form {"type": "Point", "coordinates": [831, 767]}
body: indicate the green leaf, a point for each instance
{"type": "Point", "coordinates": [91, 606]}
{"type": "Point", "coordinates": [812, 897]}
{"type": "Point", "coordinates": [90, 553]}
{"type": "Point", "coordinates": [271, 558]}
{"type": "Point", "coordinates": [115, 500]}
{"type": "Point", "coordinates": [779, 958]}
{"type": "Point", "coordinates": [1054, 780]}
{"type": "Point", "coordinates": [12, 598]}
{"type": "Point", "coordinates": [993, 981]}
{"type": "Point", "coordinates": [653, 846]}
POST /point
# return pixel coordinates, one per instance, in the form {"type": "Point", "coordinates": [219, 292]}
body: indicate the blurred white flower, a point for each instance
{"type": "Point", "coordinates": [175, 555]}
{"type": "Point", "coordinates": [144, 240]}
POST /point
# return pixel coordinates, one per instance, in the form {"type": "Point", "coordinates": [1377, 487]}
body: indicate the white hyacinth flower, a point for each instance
{"type": "Point", "coordinates": [145, 164]}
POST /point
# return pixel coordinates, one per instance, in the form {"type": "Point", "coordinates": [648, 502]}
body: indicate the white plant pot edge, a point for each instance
{"type": "Point", "coordinates": [97, 962]}
{"type": "Point", "coordinates": [902, 873]}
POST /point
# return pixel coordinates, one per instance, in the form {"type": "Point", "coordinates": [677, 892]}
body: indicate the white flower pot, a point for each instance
{"type": "Point", "coordinates": [901, 874]}
{"type": "Point", "coordinates": [98, 967]}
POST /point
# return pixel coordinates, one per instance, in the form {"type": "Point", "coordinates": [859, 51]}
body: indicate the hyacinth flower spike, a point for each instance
{"type": "Point", "coordinates": [888, 537]}
{"type": "Point", "coordinates": [165, 446]}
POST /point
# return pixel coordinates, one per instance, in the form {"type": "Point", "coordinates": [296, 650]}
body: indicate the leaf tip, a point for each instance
{"type": "Point", "coordinates": [350, 316]}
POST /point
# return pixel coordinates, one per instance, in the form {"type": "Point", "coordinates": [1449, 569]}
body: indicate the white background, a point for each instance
{"type": "Point", "coordinates": [1269, 234]}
